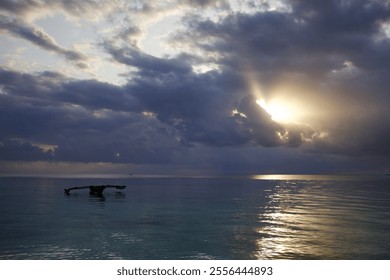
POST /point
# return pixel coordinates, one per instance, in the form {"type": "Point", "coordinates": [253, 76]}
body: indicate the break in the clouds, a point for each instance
{"type": "Point", "coordinates": [229, 86]}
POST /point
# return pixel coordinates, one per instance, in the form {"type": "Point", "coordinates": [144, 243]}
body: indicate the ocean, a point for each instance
{"type": "Point", "coordinates": [225, 218]}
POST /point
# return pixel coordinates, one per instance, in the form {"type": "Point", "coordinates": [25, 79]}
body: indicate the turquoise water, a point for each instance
{"type": "Point", "coordinates": [254, 217]}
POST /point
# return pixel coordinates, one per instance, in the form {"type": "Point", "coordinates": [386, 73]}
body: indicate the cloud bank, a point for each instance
{"type": "Point", "coordinates": [330, 57]}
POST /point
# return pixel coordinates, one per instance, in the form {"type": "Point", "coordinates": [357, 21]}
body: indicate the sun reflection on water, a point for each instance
{"type": "Point", "coordinates": [300, 223]}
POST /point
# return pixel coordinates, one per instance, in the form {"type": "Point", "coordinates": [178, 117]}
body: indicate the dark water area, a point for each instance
{"type": "Point", "coordinates": [257, 217]}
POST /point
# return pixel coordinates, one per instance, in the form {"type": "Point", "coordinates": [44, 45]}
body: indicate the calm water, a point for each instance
{"type": "Point", "coordinates": [259, 217]}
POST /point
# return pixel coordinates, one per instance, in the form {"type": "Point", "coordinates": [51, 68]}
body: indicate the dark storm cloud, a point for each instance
{"type": "Point", "coordinates": [19, 150]}
{"type": "Point", "coordinates": [349, 28]}
{"type": "Point", "coordinates": [313, 41]}
{"type": "Point", "coordinates": [40, 39]}
{"type": "Point", "coordinates": [51, 88]}
{"type": "Point", "coordinates": [150, 120]}
{"type": "Point", "coordinates": [202, 107]}
{"type": "Point", "coordinates": [168, 113]}
{"type": "Point", "coordinates": [316, 37]}
{"type": "Point", "coordinates": [85, 120]}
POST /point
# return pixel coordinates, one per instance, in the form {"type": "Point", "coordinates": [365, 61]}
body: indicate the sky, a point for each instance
{"type": "Point", "coordinates": [194, 86]}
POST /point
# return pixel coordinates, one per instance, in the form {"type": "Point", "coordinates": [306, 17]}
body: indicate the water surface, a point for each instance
{"type": "Point", "coordinates": [253, 217]}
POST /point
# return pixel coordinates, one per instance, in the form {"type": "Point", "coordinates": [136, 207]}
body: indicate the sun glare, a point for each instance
{"type": "Point", "coordinates": [284, 103]}
{"type": "Point", "coordinates": [279, 111]}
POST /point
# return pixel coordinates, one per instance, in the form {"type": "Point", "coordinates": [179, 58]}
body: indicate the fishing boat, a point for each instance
{"type": "Point", "coordinates": [95, 190]}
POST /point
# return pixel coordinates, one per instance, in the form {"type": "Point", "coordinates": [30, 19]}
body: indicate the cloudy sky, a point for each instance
{"type": "Point", "coordinates": [194, 86]}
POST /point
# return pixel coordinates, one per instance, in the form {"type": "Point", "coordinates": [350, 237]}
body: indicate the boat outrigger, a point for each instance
{"type": "Point", "coordinates": [95, 190]}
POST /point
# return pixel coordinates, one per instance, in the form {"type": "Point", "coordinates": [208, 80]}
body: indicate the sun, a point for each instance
{"type": "Point", "coordinates": [280, 111]}
{"type": "Point", "coordinates": [285, 103]}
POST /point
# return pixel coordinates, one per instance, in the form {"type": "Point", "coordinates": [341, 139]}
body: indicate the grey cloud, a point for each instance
{"type": "Point", "coordinates": [84, 9]}
{"type": "Point", "coordinates": [17, 6]}
{"type": "Point", "coordinates": [263, 131]}
{"type": "Point", "coordinates": [146, 64]}
{"type": "Point", "coordinates": [347, 27]}
{"type": "Point", "coordinates": [13, 150]}
{"type": "Point", "coordinates": [86, 121]}
{"type": "Point", "coordinates": [201, 106]}
{"type": "Point", "coordinates": [167, 113]}
{"type": "Point", "coordinates": [206, 3]}
{"type": "Point", "coordinates": [129, 140]}
{"type": "Point", "coordinates": [313, 40]}
{"type": "Point", "coordinates": [41, 39]}
{"type": "Point", "coordinates": [149, 120]}
{"type": "Point", "coordinates": [130, 34]}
